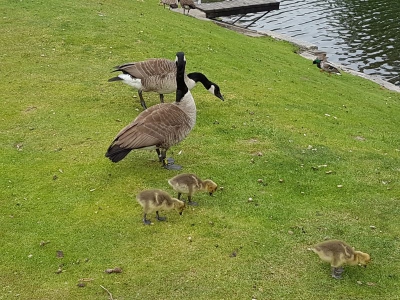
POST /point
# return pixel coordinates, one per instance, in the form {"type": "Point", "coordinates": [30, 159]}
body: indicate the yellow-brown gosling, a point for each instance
{"type": "Point", "coordinates": [156, 200]}
{"type": "Point", "coordinates": [189, 184]}
{"type": "Point", "coordinates": [338, 253]}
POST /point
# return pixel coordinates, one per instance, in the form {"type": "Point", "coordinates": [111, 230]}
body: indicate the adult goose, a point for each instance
{"type": "Point", "coordinates": [187, 5]}
{"type": "Point", "coordinates": [161, 126]}
{"type": "Point", "coordinates": [159, 75]}
{"type": "Point", "coordinates": [170, 3]}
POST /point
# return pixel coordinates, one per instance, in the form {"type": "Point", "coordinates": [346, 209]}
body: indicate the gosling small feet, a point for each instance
{"type": "Point", "coordinates": [192, 203]}
{"type": "Point", "coordinates": [337, 272]}
{"type": "Point", "coordinates": [146, 222]}
{"type": "Point", "coordinates": [160, 218]}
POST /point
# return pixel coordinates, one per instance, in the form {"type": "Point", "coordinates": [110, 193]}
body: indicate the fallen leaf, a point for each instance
{"type": "Point", "coordinates": [114, 270]}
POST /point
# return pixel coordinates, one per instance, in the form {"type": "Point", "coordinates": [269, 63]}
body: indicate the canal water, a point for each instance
{"type": "Point", "coordinates": [363, 35]}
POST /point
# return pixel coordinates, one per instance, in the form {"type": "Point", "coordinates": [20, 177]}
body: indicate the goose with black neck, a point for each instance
{"type": "Point", "coordinates": [160, 126]}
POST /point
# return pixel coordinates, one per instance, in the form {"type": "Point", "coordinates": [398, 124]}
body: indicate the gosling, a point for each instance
{"type": "Point", "coordinates": [156, 200]}
{"type": "Point", "coordinates": [338, 253]}
{"type": "Point", "coordinates": [190, 184]}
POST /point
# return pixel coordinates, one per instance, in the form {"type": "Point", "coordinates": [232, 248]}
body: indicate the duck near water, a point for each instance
{"type": "Point", "coordinates": [159, 75]}
{"type": "Point", "coordinates": [190, 184]}
{"type": "Point", "coordinates": [326, 66]}
{"type": "Point", "coordinates": [338, 253]}
{"type": "Point", "coordinates": [161, 126]}
{"type": "Point", "coordinates": [156, 200]}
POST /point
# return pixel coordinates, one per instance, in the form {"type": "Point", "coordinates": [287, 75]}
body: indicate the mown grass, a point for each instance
{"type": "Point", "coordinates": [301, 132]}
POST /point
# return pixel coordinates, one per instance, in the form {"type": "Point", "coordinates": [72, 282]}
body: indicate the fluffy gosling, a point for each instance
{"type": "Point", "coordinates": [338, 253]}
{"type": "Point", "coordinates": [189, 184]}
{"type": "Point", "coordinates": [156, 200]}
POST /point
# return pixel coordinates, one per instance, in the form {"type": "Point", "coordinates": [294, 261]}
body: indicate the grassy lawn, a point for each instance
{"type": "Point", "coordinates": [318, 155]}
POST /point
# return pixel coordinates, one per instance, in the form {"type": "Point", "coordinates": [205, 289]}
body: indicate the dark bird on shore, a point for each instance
{"type": "Point", "coordinates": [159, 75]}
{"type": "Point", "coordinates": [187, 5]}
{"type": "Point", "coordinates": [326, 66]}
{"type": "Point", "coordinates": [161, 126]}
{"type": "Point", "coordinates": [171, 3]}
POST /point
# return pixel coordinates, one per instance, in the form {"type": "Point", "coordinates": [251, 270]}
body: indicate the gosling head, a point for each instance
{"type": "Point", "coordinates": [363, 259]}
{"type": "Point", "coordinates": [210, 186]}
{"type": "Point", "coordinates": [179, 205]}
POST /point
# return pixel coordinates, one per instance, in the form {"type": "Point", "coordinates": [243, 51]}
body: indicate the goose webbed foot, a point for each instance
{"type": "Point", "coordinates": [169, 164]}
{"type": "Point", "coordinates": [160, 218]}
{"type": "Point", "coordinates": [172, 167]}
{"type": "Point", "coordinates": [337, 272]}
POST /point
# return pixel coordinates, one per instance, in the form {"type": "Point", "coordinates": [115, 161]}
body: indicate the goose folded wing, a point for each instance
{"type": "Point", "coordinates": [147, 68]}
{"type": "Point", "coordinates": [162, 125]}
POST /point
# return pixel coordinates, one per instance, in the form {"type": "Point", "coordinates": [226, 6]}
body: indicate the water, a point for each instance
{"type": "Point", "coordinates": [363, 35]}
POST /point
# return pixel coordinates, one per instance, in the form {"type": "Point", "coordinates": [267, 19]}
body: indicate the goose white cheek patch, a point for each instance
{"type": "Point", "coordinates": [212, 89]}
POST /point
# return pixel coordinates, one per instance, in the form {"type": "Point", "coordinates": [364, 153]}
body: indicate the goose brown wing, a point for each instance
{"type": "Point", "coordinates": [162, 125]}
{"type": "Point", "coordinates": [169, 2]}
{"type": "Point", "coordinates": [147, 68]}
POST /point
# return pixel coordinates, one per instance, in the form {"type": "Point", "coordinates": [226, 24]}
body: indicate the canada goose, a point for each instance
{"type": "Point", "coordinates": [187, 4]}
{"type": "Point", "coordinates": [159, 75]}
{"type": "Point", "coordinates": [325, 66]}
{"type": "Point", "coordinates": [159, 127]}
{"type": "Point", "coordinates": [156, 200]}
{"type": "Point", "coordinates": [190, 184]}
{"type": "Point", "coordinates": [170, 3]}
{"type": "Point", "coordinates": [338, 253]}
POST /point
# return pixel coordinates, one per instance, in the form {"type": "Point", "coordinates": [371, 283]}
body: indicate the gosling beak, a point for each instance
{"type": "Point", "coordinates": [180, 213]}
{"type": "Point", "coordinates": [211, 194]}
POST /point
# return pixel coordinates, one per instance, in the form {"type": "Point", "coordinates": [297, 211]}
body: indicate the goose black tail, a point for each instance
{"type": "Point", "coordinates": [114, 79]}
{"type": "Point", "coordinates": [115, 153]}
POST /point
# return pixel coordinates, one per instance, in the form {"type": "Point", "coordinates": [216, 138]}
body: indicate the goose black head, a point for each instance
{"type": "Point", "coordinates": [210, 86]}
{"type": "Point", "coordinates": [216, 91]}
{"type": "Point", "coordinates": [181, 87]}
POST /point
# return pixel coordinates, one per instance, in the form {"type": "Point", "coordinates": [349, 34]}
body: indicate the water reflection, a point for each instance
{"type": "Point", "coordinates": [361, 34]}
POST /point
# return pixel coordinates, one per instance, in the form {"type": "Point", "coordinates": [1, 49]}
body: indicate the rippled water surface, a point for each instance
{"type": "Point", "coordinates": [363, 35]}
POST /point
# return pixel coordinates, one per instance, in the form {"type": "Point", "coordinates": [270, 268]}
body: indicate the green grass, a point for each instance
{"type": "Point", "coordinates": [302, 132]}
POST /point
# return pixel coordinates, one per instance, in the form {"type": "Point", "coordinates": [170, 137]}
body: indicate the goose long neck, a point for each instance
{"type": "Point", "coordinates": [181, 87]}
{"type": "Point", "coordinates": [196, 77]}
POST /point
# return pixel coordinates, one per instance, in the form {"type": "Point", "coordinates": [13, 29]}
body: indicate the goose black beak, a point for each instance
{"type": "Point", "coordinates": [220, 97]}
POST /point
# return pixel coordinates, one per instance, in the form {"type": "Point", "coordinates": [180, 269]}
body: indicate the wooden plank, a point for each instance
{"type": "Point", "coordinates": [236, 7]}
